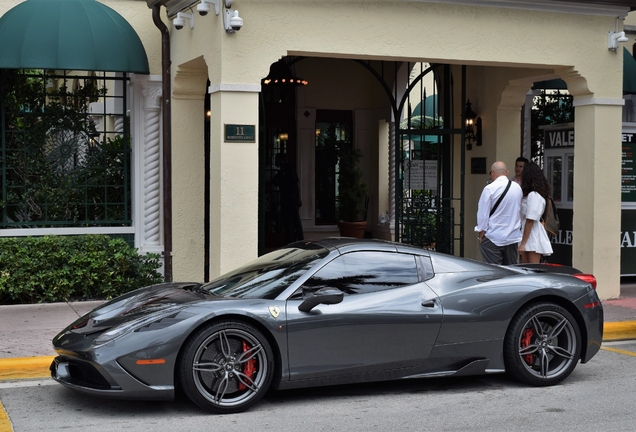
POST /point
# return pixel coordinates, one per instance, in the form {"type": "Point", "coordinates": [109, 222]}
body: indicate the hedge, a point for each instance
{"type": "Point", "coordinates": [63, 268]}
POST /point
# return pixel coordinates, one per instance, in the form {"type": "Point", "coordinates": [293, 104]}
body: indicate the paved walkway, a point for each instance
{"type": "Point", "coordinates": [26, 331]}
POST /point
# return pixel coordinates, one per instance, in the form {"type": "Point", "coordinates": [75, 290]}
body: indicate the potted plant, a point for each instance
{"type": "Point", "coordinates": [352, 192]}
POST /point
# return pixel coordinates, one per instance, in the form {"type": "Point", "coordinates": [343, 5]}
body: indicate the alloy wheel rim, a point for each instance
{"type": "Point", "coordinates": [547, 344]}
{"type": "Point", "coordinates": [229, 367]}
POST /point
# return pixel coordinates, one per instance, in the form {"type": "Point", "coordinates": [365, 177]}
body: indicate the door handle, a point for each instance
{"type": "Point", "coordinates": [428, 303]}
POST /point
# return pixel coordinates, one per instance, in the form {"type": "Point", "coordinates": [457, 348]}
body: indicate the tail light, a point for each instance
{"type": "Point", "coordinates": [586, 278]}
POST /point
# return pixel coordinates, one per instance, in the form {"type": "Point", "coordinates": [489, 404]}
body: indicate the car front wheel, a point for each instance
{"type": "Point", "coordinates": [226, 367]}
{"type": "Point", "coordinates": [542, 345]}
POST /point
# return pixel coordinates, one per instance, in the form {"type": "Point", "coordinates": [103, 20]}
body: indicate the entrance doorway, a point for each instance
{"type": "Point", "coordinates": [419, 101]}
{"type": "Point", "coordinates": [277, 136]}
{"type": "Point", "coordinates": [428, 214]}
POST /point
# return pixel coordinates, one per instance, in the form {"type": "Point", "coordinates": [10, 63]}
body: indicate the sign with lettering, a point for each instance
{"type": "Point", "coordinates": [419, 175]}
{"type": "Point", "coordinates": [559, 138]}
{"type": "Point", "coordinates": [562, 243]}
{"type": "Point", "coordinates": [414, 174]}
{"type": "Point", "coordinates": [628, 242]}
{"type": "Point", "coordinates": [628, 168]}
{"type": "Point", "coordinates": [240, 133]}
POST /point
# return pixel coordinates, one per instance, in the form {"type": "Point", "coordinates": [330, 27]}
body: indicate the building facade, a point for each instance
{"type": "Point", "coordinates": [362, 61]}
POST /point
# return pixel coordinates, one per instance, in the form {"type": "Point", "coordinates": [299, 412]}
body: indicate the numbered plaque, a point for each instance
{"type": "Point", "coordinates": [240, 133]}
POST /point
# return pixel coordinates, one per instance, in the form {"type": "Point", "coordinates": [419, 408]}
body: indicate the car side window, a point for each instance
{"type": "Point", "coordinates": [363, 272]}
{"type": "Point", "coordinates": [425, 267]}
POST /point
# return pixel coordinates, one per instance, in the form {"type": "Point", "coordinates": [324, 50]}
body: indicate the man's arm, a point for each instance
{"type": "Point", "coordinates": [483, 213]}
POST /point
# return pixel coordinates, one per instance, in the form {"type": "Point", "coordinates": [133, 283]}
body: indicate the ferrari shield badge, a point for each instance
{"type": "Point", "coordinates": [275, 311]}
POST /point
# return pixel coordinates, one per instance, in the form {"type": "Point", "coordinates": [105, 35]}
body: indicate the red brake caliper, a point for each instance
{"type": "Point", "coordinates": [525, 341]}
{"type": "Point", "coordinates": [250, 366]}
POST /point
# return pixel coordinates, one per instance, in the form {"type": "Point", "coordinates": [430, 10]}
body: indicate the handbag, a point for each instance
{"type": "Point", "coordinates": [550, 218]}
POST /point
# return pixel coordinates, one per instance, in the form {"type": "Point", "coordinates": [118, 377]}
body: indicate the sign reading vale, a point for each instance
{"type": "Point", "coordinates": [559, 138]}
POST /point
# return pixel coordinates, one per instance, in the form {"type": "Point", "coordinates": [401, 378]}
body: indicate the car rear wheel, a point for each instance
{"type": "Point", "coordinates": [542, 345]}
{"type": "Point", "coordinates": [226, 367]}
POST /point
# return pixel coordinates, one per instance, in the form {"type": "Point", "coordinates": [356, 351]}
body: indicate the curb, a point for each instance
{"type": "Point", "coordinates": [38, 367]}
{"type": "Point", "coordinates": [25, 368]}
{"type": "Point", "coordinates": [615, 331]}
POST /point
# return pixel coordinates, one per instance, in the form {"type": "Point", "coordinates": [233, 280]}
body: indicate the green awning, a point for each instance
{"type": "Point", "coordinates": [629, 73]}
{"type": "Point", "coordinates": [629, 77]}
{"type": "Point", "coordinates": [69, 35]}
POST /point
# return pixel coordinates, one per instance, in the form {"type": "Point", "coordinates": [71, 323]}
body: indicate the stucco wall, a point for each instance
{"type": "Point", "coordinates": [502, 46]}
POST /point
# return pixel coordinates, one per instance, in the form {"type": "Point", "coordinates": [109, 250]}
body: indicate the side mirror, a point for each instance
{"type": "Point", "coordinates": [322, 296]}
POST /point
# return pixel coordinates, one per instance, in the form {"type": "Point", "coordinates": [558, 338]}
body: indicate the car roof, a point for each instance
{"type": "Point", "coordinates": [349, 244]}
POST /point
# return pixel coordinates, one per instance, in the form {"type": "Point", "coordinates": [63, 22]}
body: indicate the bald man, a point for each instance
{"type": "Point", "coordinates": [499, 225]}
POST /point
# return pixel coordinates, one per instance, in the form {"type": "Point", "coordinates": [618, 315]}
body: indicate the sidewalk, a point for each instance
{"type": "Point", "coordinates": [26, 331]}
{"type": "Point", "coordinates": [620, 314]}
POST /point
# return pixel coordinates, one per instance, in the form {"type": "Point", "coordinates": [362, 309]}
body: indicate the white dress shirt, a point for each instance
{"type": "Point", "coordinates": [504, 226]}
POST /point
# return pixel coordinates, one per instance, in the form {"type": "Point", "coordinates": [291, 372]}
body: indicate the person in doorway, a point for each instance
{"type": "Point", "coordinates": [536, 190]}
{"type": "Point", "coordinates": [288, 184]}
{"type": "Point", "coordinates": [498, 218]}
{"type": "Point", "coordinates": [519, 164]}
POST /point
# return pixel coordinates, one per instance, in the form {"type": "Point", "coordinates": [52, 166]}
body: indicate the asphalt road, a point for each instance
{"type": "Point", "coordinates": [597, 396]}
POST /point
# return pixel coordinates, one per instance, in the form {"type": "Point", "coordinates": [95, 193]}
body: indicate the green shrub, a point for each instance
{"type": "Point", "coordinates": [63, 268]}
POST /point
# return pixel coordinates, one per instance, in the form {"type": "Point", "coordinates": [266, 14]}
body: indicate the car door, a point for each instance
{"type": "Point", "coordinates": [388, 320]}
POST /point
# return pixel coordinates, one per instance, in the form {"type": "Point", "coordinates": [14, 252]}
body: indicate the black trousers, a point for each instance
{"type": "Point", "coordinates": [493, 254]}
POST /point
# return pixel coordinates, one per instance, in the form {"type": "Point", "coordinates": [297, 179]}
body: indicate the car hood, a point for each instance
{"type": "Point", "coordinates": [139, 304]}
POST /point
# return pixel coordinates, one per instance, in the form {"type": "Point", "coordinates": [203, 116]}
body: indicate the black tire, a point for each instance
{"type": "Point", "coordinates": [226, 367]}
{"type": "Point", "coordinates": [542, 345]}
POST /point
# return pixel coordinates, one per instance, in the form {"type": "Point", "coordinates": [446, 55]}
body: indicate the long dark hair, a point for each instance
{"type": "Point", "coordinates": [533, 180]}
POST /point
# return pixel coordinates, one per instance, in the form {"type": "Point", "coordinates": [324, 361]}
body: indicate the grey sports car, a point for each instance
{"type": "Point", "coordinates": [332, 311]}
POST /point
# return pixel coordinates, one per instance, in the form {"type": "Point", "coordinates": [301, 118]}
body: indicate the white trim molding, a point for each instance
{"type": "Point", "coordinates": [569, 7]}
{"type": "Point", "coordinates": [598, 101]}
{"type": "Point", "coordinates": [35, 232]}
{"type": "Point", "coordinates": [221, 87]}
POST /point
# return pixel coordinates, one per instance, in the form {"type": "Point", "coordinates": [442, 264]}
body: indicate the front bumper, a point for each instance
{"type": "Point", "coordinates": [112, 381]}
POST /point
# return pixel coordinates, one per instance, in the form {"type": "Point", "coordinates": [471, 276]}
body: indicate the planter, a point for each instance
{"type": "Point", "coordinates": [352, 229]}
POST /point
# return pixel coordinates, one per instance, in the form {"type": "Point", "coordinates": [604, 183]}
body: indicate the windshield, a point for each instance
{"type": "Point", "coordinates": [267, 276]}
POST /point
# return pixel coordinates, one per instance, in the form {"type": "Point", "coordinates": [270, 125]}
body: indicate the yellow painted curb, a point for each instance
{"type": "Point", "coordinates": [614, 331]}
{"type": "Point", "coordinates": [25, 368]}
{"type": "Point", "coordinates": [5, 423]}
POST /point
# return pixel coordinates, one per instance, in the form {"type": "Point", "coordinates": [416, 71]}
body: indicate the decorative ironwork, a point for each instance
{"type": "Point", "coordinates": [65, 150]}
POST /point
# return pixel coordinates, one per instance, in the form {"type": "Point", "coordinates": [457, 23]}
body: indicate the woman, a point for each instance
{"type": "Point", "coordinates": [536, 190]}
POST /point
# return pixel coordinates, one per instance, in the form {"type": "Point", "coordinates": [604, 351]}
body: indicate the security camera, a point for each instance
{"type": "Point", "coordinates": [233, 22]}
{"type": "Point", "coordinates": [179, 21]}
{"type": "Point", "coordinates": [228, 3]}
{"type": "Point", "coordinates": [613, 38]}
{"type": "Point", "coordinates": [203, 8]}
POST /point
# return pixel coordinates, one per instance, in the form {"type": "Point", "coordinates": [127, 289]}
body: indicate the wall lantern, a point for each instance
{"type": "Point", "coordinates": [472, 133]}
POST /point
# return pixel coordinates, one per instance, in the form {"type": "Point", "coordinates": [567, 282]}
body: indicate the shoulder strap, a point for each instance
{"type": "Point", "coordinates": [500, 198]}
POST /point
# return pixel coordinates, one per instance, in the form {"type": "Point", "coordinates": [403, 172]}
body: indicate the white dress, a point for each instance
{"type": "Point", "coordinates": [532, 208]}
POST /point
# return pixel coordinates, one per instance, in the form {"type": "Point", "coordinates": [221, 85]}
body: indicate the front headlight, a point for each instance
{"type": "Point", "coordinates": [128, 327]}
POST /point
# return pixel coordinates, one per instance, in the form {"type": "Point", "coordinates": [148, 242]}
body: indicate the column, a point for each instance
{"type": "Point", "coordinates": [146, 134]}
{"type": "Point", "coordinates": [597, 192]}
{"type": "Point", "coordinates": [234, 177]}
